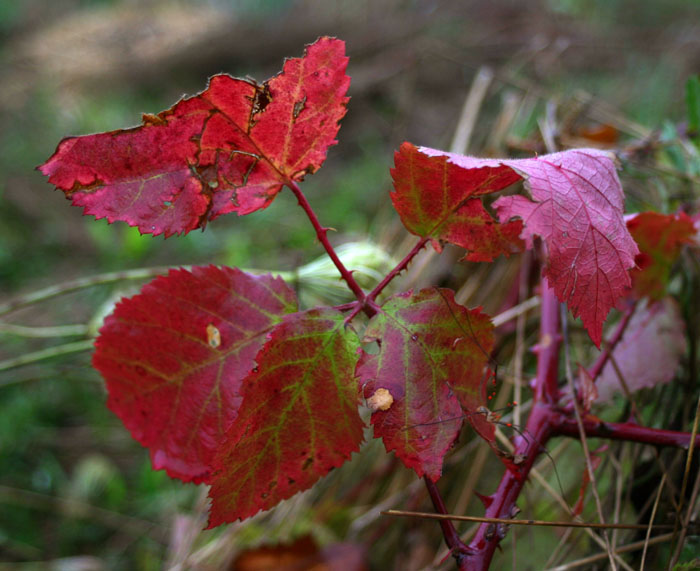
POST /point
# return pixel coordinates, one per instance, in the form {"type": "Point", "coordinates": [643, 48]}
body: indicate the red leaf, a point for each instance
{"type": "Point", "coordinates": [432, 357]}
{"type": "Point", "coordinates": [298, 419]}
{"type": "Point", "coordinates": [174, 355]}
{"type": "Point", "coordinates": [229, 149]}
{"type": "Point", "coordinates": [440, 200]}
{"type": "Point", "coordinates": [649, 352]}
{"type": "Point", "coordinates": [303, 554]}
{"type": "Point", "coordinates": [577, 209]}
{"type": "Point", "coordinates": [660, 238]}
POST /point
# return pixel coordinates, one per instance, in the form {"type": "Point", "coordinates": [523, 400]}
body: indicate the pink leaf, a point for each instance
{"type": "Point", "coordinates": [649, 352]}
{"type": "Point", "coordinates": [576, 207]}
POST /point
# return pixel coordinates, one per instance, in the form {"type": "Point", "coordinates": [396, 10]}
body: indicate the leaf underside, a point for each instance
{"type": "Point", "coordinates": [298, 420]}
{"type": "Point", "coordinates": [174, 356]}
{"type": "Point", "coordinates": [577, 208]}
{"type": "Point", "coordinates": [229, 149]}
{"type": "Point", "coordinates": [432, 360]}
{"type": "Point", "coordinates": [649, 352]}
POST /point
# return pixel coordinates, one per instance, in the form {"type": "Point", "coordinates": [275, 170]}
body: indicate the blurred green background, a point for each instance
{"type": "Point", "coordinates": [75, 491]}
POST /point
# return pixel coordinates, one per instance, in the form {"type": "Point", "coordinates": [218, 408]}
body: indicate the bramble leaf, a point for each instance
{"type": "Point", "coordinates": [174, 356]}
{"type": "Point", "coordinates": [649, 352]}
{"type": "Point", "coordinates": [432, 360]}
{"type": "Point", "coordinates": [660, 238]}
{"type": "Point", "coordinates": [440, 200]}
{"type": "Point", "coordinates": [229, 149]}
{"type": "Point", "coordinates": [576, 208]}
{"type": "Point", "coordinates": [298, 420]}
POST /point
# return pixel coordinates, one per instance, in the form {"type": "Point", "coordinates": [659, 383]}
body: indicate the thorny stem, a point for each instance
{"type": "Point", "coordinates": [400, 267]}
{"type": "Point", "coordinates": [454, 543]}
{"type": "Point", "coordinates": [321, 233]}
{"type": "Point", "coordinates": [547, 420]}
{"type": "Point", "coordinates": [547, 380]}
{"type": "Point", "coordinates": [531, 442]}
{"type": "Point", "coordinates": [564, 425]}
{"type": "Point", "coordinates": [369, 304]}
{"type": "Point", "coordinates": [503, 501]}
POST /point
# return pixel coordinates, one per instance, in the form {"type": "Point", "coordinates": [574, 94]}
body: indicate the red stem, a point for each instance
{"type": "Point", "coordinates": [564, 425]}
{"type": "Point", "coordinates": [531, 443]}
{"type": "Point", "coordinates": [547, 380]}
{"type": "Point", "coordinates": [458, 549]}
{"type": "Point", "coordinates": [321, 233]}
{"type": "Point", "coordinates": [503, 501]}
{"type": "Point", "coordinates": [400, 267]}
{"type": "Point", "coordinates": [602, 360]}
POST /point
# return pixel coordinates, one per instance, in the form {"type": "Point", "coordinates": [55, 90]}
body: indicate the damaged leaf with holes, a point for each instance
{"type": "Point", "coordinates": [229, 149]}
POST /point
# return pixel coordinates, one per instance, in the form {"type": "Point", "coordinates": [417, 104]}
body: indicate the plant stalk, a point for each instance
{"type": "Point", "coordinates": [322, 235]}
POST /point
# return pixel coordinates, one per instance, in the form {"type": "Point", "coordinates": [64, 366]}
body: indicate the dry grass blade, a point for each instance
{"type": "Point", "coordinates": [80, 283]}
{"type": "Point", "coordinates": [535, 522]}
{"type": "Point", "coordinates": [686, 475]}
{"type": "Point", "coordinates": [637, 545]}
{"type": "Point", "coordinates": [43, 354]}
{"type": "Point", "coordinates": [582, 432]}
{"type": "Point", "coordinates": [83, 510]}
{"type": "Point", "coordinates": [470, 110]}
{"type": "Point", "coordinates": [651, 520]}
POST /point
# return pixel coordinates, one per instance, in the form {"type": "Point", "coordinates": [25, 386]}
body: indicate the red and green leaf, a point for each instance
{"type": "Point", "coordinates": [440, 200]}
{"type": "Point", "coordinates": [432, 360]}
{"type": "Point", "coordinates": [298, 420]}
{"type": "Point", "coordinates": [229, 149]}
{"type": "Point", "coordinates": [576, 207]}
{"type": "Point", "coordinates": [174, 357]}
{"type": "Point", "coordinates": [660, 238]}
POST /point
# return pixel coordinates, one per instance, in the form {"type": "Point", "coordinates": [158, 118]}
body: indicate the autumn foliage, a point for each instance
{"type": "Point", "coordinates": [229, 149]}
{"type": "Point", "coordinates": [222, 376]}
